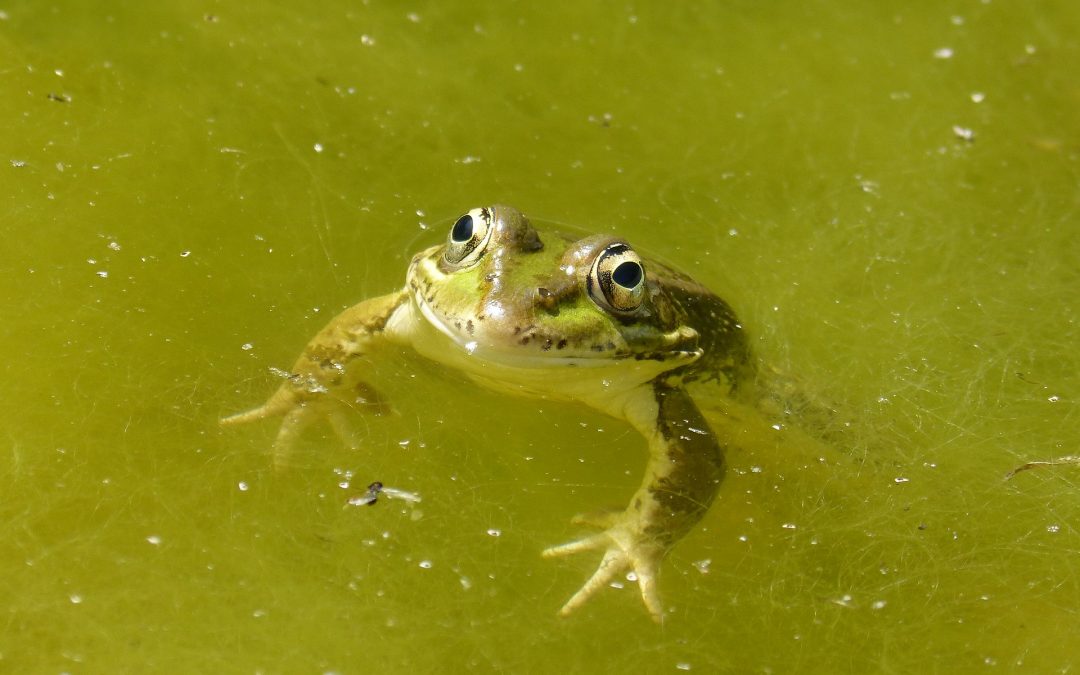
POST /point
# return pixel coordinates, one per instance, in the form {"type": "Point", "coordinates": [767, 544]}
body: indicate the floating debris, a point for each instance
{"type": "Point", "coordinates": [963, 133]}
{"type": "Point", "coordinates": [1059, 461]}
{"type": "Point", "coordinates": [377, 488]}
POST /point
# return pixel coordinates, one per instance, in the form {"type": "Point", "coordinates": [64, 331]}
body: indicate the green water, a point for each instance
{"type": "Point", "coordinates": [183, 179]}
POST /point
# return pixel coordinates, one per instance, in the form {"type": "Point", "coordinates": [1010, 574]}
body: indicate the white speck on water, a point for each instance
{"type": "Point", "coordinates": [185, 254]}
{"type": "Point", "coordinates": [901, 479]}
{"type": "Point", "coordinates": [75, 598]}
{"type": "Point", "coordinates": [1053, 529]}
{"type": "Point", "coordinates": [493, 532]}
{"type": "Point", "coordinates": [102, 273]}
{"type": "Point", "coordinates": [425, 564]}
{"type": "Point", "coordinates": [367, 40]}
{"type": "Point", "coordinates": [943, 53]}
{"type": "Point", "coordinates": [703, 565]}
{"type": "Point", "coordinates": [978, 96]}
{"type": "Point", "coordinates": [154, 539]}
{"type": "Point", "coordinates": [18, 163]}
{"type": "Point", "coordinates": [956, 20]}
{"type": "Point", "coordinates": [413, 16]}
{"type": "Point", "coordinates": [247, 346]}
{"type": "Point", "coordinates": [878, 604]}
{"type": "Point", "coordinates": [1053, 399]}
{"type": "Point", "coordinates": [318, 147]}
{"type": "Point", "coordinates": [963, 133]}
{"type": "Point", "coordinates": [470, 347]}
{"type": "Point", "coordinates": [788, 526]}
{"type": "Point", "coordinates": [242, 486]}
{"type": "Point", "coordinates": [113, 246]}
{"type": "Point", "coordinates": [682, 665]}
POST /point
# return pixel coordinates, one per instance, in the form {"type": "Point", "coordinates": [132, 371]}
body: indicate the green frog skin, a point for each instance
{"type": "Point", "coordinates": [583, 320]}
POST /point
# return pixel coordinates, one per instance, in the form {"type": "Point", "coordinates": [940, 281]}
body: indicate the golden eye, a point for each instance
{"type": "Point", "coordinates": [468, 238]}
{"type": "Point", "coordinates": [617, 279]}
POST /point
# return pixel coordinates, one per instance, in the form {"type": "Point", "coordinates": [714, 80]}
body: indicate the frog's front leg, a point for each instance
{"type": "Point", "coordinates": [328, 379]}
{"type": "Point", "coordinates": [685, 468]}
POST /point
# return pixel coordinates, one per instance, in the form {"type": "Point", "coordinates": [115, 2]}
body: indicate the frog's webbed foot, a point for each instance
{"type": "Point", "coordinates": [625, 550]}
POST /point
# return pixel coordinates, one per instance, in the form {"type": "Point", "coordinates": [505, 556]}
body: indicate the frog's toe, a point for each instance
{"type": "Point", "coordinates": [600, 520]}
{"type": "Point", "coordinates": [619, 556]}
{"type": "Point", "coordinates": [296, 420]}
{"type": "Point", "coordinates": [585, 544]}
{"type": "Point", "coordinates": [614, 562]}
{"type": "Point", "coordinates": [341, 424]}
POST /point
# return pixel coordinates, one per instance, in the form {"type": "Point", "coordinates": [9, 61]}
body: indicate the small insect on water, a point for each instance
{"type": "Point", "coordinates": [375, 489]}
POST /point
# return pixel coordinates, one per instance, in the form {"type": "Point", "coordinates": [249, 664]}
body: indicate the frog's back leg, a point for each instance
{"type": "Point", "coordinates": [329, 378]}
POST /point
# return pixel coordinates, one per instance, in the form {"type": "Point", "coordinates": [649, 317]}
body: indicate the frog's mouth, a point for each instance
{"type": "Point", "coordinates": [541, 354]}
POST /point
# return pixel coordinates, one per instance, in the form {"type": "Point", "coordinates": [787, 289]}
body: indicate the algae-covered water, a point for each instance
{"type": "Point", "coordinates": [888, 193]}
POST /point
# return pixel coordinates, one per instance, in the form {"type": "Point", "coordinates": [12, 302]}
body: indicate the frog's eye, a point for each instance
{"type": "Point", "coordinates": [617, 279]}
{"type": "Point", "coordinates": [468, 238]}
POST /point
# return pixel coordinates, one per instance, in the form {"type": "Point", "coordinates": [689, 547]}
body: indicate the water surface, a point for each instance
{"type": "Point", "coordinates": [887, 194]}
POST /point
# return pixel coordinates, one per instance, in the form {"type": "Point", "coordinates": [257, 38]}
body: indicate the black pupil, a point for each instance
{"type": "Point", "coordinates": [463, 229]}
{"type": "Point", "coordinates": [627, 274]}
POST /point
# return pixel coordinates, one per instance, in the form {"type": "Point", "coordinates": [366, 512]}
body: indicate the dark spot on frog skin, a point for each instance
{"type": "Point", "coordinates": [469, 326]}
{"type": "Point", "coordinates": [561, 344]}
{"type": "Point", "coordinates": [547, 344]}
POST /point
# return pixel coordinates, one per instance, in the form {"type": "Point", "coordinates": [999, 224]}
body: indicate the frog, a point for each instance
{"type": "Point", "coordinates": [557, 316]}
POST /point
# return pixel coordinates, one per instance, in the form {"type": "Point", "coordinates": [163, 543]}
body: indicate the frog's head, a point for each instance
{"type": "Point", "coordinates": [504, 293]}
